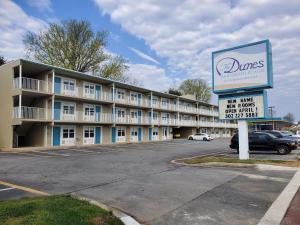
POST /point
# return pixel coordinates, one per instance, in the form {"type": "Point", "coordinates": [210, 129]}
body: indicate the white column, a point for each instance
{"type": "Point", "coordinates": [114, 105]}
{"type": "Point", "coordinates": [243, 139]}
{"type": "Point", "coordinates": [20, 76]}
{"type": "Point", "coordinates": [20, 106]}
{"type": "Point", "coordinates": [151, 105]}
{"type": "Point", "coordinates": [53, 80]}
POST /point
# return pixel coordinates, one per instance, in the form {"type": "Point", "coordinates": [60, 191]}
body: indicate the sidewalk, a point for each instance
{"type": "Point", "coordinates": [292, 216]}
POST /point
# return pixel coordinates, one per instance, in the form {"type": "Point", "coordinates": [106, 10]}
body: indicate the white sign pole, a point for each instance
{"type": "Point", "coordinates": [243, 139]}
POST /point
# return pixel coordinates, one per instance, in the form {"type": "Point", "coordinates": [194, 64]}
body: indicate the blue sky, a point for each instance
{"type": "Point", "coordinates": [171, 40]}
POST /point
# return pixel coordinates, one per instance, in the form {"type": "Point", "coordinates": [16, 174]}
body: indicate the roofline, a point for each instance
{"type": "Point", "coordinates": [109, 80]}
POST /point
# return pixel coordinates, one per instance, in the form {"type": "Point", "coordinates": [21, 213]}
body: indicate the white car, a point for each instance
{"type": "Point", "coordinates": [200, 136]}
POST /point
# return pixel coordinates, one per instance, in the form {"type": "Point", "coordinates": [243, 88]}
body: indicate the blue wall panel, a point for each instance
{"type": "Point", "coordinates": [57, 85]}
{"type": "Point", "coordinates": [140, 134]}
{"type": "Point", "coordinates": [150, 134]}
{"type": "Point", "coordinates": [98, 135]}
{"type": "Point", "coordinates": [57, 109]}
{"type": "Point", "coordinates": [56, 136]}
{"type": "Point", "coordinates": [98, 113]}
{"type": "Point", "coordinates": [113, 135]}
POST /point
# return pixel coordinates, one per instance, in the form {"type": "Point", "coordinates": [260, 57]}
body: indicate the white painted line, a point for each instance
{"type": "Point", "coordinates": [87, 151]}
{"type": "Point", "coordinates": [7, 189]}
{"type": "Point", "coordinates": [51, 153]}
{"type": "Point", "coordinates": [128, 220]}
{"type": "Point", "coordinates": [261, 177]}
{"type": "Point", "coordinates": [276, 212]}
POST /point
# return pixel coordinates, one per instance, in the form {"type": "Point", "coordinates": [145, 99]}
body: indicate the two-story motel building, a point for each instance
{"type": "Point", "coordinates": [43, 105]}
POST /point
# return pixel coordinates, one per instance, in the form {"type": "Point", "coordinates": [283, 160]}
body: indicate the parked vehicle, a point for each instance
{"type": "Point", "coordinates": [284, 134]}
{"type": "Point", "coordinates": [263, 141]}
{"type": "Point", "coordinates": [201, 137]}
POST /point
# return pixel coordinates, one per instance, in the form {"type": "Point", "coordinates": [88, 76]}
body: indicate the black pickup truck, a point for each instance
{"type": "Point", "coordinates": [263, 141]}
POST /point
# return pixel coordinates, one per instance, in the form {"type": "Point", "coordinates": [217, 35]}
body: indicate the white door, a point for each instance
{"type": "Point", "coordinates": [121, 134]}
{"type": "Point", "coordinates": [68, 135]}
{"type": "Point", "coordinates": [155, 134]}
{"type": "Point", "coordinates": [165, 133]}
{"type": "Point", "coordinates": [88, 135]}
{"type": "Point", "coordinates": [134, 134]}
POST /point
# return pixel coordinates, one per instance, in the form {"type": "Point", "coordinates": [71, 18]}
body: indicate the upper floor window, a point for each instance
{"type": "Point", "coordinates": [69, 85]}
{"type": "Point", "coordinates": [121, 113]}
{"type": "Point", "coordinates": [154, 100]}
{"type": "Point", "coordinates": [133, 97]}
{"type": "Point", "coordinates": [155, 115]}
{"type": "Point", "coordinates": [134, 114]}
{"type": "Point", "coordinates": [164, 102]}
{"type": "Point", "coordinates": [165, 116]}
{"type": "Point", "coordinates": [89, 110]}
{"type": "Point", "coordinates": [89, 89]}
{"type": "Point", "coordinates": [69, 108]}
{"type": "Point", "coordinates": [120, 94]}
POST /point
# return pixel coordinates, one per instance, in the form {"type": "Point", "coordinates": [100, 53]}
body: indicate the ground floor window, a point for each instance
{"type": "Point", "coordinates": [68, 132]}
{"type": "Point", "coordinates": [89, 132]}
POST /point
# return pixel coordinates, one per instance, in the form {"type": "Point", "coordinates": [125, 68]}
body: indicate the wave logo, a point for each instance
{"type": "Point", "coordinates": [231, 65]}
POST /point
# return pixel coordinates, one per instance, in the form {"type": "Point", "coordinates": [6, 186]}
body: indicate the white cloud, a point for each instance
{"type": "Point", "coordinates": [14, 23]}
{"type": "Point", "coordinates": [151, 76]}
{"type": "Point", "coordinates": [186, 32]}
{"type": "Point", "coordinates": [41, 5]}
{"type": "Point", "coordinates": [143, 55]}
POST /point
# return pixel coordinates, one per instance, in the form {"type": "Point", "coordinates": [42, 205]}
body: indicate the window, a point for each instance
{"type": "Point", "coordinates": [154, 100]}
{"type": "Point", "coordinates": [68, 133]}
{"type": "Point", "coordinates": [134, 115]}
{"type": "Point", "coordinates": [164, 102]}
{"type": "Point", "coordinates": [155, 132]}
{"type": "Point", "coordinates": [155, 116]}
{"type": "Point", "coordinates": [68, 108]}
{"type": "Point", "coordinates": [134, 132]}
{"type": "Point", "coordinates": [121, 132]}
{"type": "Point", "coordinates": [165, 116]}
{"type": "Point", "coordinates": [89, 132]}
{"type": "Point", "coordinates": [89, 89]}
{"type": "Point", "coordinates": [121, 113]}
{"type": "Point", "coordinates": [133, 97]}
{"type": "Point", "coordinates": [89, 110]}
{"type": "Point", "coordinates": [68, 84]}
{"type": "Point", "coordinates": [121, 94]}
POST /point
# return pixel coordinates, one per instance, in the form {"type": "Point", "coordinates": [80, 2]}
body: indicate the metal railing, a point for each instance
{"type": "Point", "coordinates": [33, 113]}
{"type": "Point", "coordinates": [30, 84]}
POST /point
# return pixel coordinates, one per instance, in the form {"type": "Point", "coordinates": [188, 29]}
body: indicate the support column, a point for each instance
{"type": "Point", "coordinates": [243, 139]}
{"type": "Point", "coordinates": [114, 105]}
{"type": "Point", "coordinates": [20, 106]}
{"type": "Point", "coordinates": [151, 104]}
{"type": "Point", "coordinates": [20, 76]}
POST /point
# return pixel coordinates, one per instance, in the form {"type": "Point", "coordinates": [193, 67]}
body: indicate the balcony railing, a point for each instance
{"type": "Point", "coordinates": [31, 113]}
{"type": "Point", "coordinates": [129, 101]}
{"type": "Point", "coordinates": [129, 120]}
{"type": "Point", "coordinates": [69, 92]}
{"type": "Point", "coordinates": [102, 96]}
{"type": "Point", "coordinates": [30, 84]}
{"type": "Point", "coordinates": [101, 118]}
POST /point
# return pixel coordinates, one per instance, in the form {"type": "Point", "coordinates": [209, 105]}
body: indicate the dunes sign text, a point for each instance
{"type": "Point", "coordinates": [245, 67]}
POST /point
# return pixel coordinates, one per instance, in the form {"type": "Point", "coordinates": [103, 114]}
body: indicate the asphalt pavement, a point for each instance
{"type": "Point", "coordinates": [140, 180]}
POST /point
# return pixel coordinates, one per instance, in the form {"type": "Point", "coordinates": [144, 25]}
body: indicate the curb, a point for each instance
{"type": "Point", "coordinates": [278, 209]}
{"type": "Point", "coordinates": [125, 218]}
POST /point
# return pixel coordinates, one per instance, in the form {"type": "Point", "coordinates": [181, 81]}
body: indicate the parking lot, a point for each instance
{"type": "Point", "coordinates": [140, 180]}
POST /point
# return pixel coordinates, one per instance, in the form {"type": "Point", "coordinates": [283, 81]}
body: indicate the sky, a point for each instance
{"type": "Point", "coordinates": [168, 41]}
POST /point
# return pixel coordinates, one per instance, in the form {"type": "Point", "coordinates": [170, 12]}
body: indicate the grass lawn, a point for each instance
{"type": "Point", "coordinates": [208, 159]}
{"type": "Point", "coordinates": [54, 210]}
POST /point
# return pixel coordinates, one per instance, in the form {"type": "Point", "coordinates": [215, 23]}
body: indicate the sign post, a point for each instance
{"type": "Point", "coordinates": [243, 139]}
{"type": "Point", "coordinates": [240, 75]}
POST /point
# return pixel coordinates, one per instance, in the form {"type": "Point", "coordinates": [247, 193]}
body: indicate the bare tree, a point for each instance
{"type": "Point", "coordinates": [74, 45]}
{"type": "Point", "coordinates": [197, 87]}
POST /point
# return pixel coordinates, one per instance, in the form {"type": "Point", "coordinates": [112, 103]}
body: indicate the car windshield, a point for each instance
{"type": "Point", "coordinates": [286, 133]}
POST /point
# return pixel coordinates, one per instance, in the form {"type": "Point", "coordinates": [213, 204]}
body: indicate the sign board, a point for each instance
{"type": "Point", "coordinates": [245, 67]}
{"type": "Point", "coordinates": [243, 106]}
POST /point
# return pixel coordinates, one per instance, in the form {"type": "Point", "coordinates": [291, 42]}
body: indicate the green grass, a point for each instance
{"type": "Point", "coordinates": [54, 210]}
{"type": "Point", "coordinates": [208, 159]}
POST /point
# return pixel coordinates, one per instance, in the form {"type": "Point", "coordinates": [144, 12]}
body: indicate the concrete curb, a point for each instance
{"type": "Point", "coordinates": [277, 211]}
{"type": "Point", "coordinates": [126, 219]}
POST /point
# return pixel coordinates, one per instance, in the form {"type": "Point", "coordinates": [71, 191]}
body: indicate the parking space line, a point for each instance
{"type": "Point", "coordinates": [7, 189]}
{"type": "Point", "coordinates": [30, 154]}
{"type": "Point", "coordinates": [27, 189]}
{"type": "Point", "coordinates": [51, 153]}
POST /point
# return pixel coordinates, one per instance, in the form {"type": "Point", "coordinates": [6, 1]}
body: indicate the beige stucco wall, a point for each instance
{"type": "Point", "coordinates": [6, 102]}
